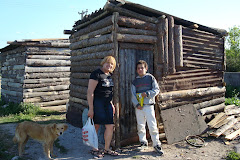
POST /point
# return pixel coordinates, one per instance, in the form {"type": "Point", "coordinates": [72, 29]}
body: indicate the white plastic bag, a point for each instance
{"type": "Point", "coordinates": [89, 134]}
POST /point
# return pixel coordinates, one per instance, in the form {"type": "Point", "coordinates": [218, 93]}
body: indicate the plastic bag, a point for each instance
{"type": "Point", "coordinates": [89, 134]}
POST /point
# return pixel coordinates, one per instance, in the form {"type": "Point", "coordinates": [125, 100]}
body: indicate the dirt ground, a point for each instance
{"type": "Point", "coordinates": [214, 149]}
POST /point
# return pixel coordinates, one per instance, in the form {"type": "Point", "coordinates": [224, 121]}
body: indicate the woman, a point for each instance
{"type": "Point", "coordinates": [101, 108]}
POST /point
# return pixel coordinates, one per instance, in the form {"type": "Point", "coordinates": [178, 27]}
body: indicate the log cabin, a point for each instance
{"type": "Point", "coordinates": [36, 71]}
{"type": "Point", "coordinates": [186, 58]}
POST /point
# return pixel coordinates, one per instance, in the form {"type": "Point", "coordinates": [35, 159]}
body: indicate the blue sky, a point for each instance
{"type": "Point", "coordinates": [33, 19]}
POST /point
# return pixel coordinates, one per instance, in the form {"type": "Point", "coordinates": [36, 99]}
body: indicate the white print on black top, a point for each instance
{"type": "Point", "coordinates": [107, 83]}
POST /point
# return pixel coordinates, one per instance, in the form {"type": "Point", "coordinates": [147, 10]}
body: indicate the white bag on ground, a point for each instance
{"type": "Point", "coordinates": [89, 134]}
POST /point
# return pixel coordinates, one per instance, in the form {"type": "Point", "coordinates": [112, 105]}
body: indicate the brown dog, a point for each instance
{"type": "Point", "coordinates": [46, 134]}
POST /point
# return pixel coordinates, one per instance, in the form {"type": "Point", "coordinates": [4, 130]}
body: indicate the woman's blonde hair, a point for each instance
{"type": "Point", "coordinates": [109, 59]}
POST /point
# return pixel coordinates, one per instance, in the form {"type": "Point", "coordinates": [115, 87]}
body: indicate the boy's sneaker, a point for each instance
{"type": "Point", "coordinates": [143, 146]}
{"type": "Point", "coordinates": [158, 149]}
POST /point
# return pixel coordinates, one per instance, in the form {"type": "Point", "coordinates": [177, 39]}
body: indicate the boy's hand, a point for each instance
{"type": "Point", "coordinates": [139, 107]}
{"type": "Point", "coordinates": [144, 94]}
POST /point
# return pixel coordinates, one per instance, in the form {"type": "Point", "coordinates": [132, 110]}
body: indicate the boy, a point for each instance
{"type": "Point", "coordinates": [144, 89]}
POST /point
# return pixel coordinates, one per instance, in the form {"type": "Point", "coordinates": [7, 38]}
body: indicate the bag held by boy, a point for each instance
{"type": "Point", "coordinates": [89, 134]}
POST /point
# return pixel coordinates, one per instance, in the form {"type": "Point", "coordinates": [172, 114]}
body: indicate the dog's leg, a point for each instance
{"type": "Point", "coordinates": [51, 149]}
{"type": "Point", "coordinates": [46, 149]}
{"type": "Point", "coordinates": [24, 143]}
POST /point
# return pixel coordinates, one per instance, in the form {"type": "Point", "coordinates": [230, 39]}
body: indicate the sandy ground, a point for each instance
{"type": "Point", "coordinates": [214, 149]}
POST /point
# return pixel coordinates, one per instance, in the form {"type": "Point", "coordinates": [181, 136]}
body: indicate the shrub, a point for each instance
{"type": "Point", "coordinates": [233, 156]}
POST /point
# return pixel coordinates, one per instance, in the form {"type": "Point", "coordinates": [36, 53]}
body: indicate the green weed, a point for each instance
{"type": "Point", "coordinates": [233, 156]}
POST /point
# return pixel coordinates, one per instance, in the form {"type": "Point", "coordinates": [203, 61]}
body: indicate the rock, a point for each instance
{"type": "Point", "coordinates": [237, 148]}
{"type": "Point", "coordinates": [15, 158]}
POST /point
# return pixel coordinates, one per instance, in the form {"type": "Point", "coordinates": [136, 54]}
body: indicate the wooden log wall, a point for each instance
{"type": "Point", "coordinates": [89, 46]}
{"type": "Point", "coordinates": [199, 64]}
{"type": "Point", "coordinates": [185, 61]}
{"type": "Point", "coordinates": [47, 77]}
{"type": "Point", "coordinates": [37, 74]}
{"type": "Point", "coordinates": [13, 74]}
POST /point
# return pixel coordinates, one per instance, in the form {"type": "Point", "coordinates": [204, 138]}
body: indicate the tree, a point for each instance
{"type": "Point", "coordinates": [233, 50]}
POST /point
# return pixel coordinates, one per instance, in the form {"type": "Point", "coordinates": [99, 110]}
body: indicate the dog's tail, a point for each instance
{"type": "Point", "coordinates": [16, 137]}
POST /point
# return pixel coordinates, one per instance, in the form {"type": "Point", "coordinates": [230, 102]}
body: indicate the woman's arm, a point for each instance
{"type": "Point", "coordinates": [90, 93]}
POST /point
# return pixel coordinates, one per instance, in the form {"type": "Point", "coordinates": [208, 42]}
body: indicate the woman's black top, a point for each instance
{"type": "Point", "coordinates": [105, 85]}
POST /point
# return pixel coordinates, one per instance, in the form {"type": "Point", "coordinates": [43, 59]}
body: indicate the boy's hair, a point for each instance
{"type": "Point", "coordinates": [109, 59]}
{"type": "Point", "coordinates": [142, 62]}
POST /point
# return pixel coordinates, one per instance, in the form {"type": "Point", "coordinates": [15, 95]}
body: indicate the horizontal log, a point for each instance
{"type": "Point", "coordinates": [202, 35]}
{"type": "Point", "coordinates": [81, 75]}
{"type": "Point", "coordinates": [78, 95]}
{"type": "Point", "coordinates": [47, 69]}
{"type": "Point", "coordinates": [201, 41]}
{"type": "Point", "coordinates": [77, 105]}
{"type": "Point", "coordinates": [27, 86]}
{"type": "Point", "coordinates": [134, 31]}
{"type": "Point", "coordinates": [38, 94]}
{"type": "Point", "coordinates": [135, 46]}
{"type": "Point", "coordinates": [90, 62]}
{"type": "Point", "coordinates": [46, 98]}
{"type": "Point", "coordinates": [92, 49]}
{"type": "Point", "coordinates": [78, 100]}
{"type": "Point", "coordinates": [210, 103]}
{"type": "Point", "coordinates": [92, 41]}
{"type": "Point", "coordinates": [135, 23]}
{"type": "Point", "coordinates": [47, 53]}
{"type": "Point", "coordinates": [52, 103]}
{"type": "Point", "coordinates": [79, 89]}
{"type": "Point", "coordinates": [122, 11]}
{"type": "Point", "coordinates": [201, 59]}
{"type": "Point", "coordinates": [56, 108]}
{"type": "Point", "coordinates": [84, 69]}
{"type": "Point", "coordinates": [136, 38]}
{"type": "Point", "coordinates": [56, 97]}
{"type": "Point", "coordinates": [48, 57]}
{"type": "Point", "coordinates": [94, 26]}
{"type": "Point", "coordinates": [38, 62]}
{"type": "Point", "coordinates": [96, 55]}
{"type": "Point", "coordinates": [47, 75]}
{"type": "Point", "coordinates": [17, 85]}
{"type": "Point", "coordinates": [92, 34]}
{"type": "Point", "coordinates": [11, 93]}
{"type": "Point", "coordinates": [203, 56]}
{"type": "Point", "coordinates": [48, 88]}
{"type": "Point", "coordinates": [194, 64]}
{"type": "Point", "coordinates": [49, 80]}
{"type": "Point", "coordinates": [81, 82]}
{"type": "Point", "coordinates": [212, 109]}
{"type": "Point", "coordinates": [190, 93]}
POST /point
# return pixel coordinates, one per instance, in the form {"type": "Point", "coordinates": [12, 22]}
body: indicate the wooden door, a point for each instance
{"type": "Point", "coordinates": [128, 59]}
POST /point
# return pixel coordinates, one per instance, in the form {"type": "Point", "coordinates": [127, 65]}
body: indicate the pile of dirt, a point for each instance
{"type": "Point", "coordinates": [71, 140]}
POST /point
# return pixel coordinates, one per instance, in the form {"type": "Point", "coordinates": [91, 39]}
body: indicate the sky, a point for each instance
{"type": "Point", "coordinates": [36, 19]}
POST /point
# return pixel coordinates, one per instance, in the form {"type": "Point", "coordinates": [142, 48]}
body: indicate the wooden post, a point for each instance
{"type": "Point", "coordinates": [171, 56]}
{"type": "Point", "coordinates": [159, 58]}
{"type": "Point", "coordinates": [116, 79]}
{"type": "Point", "coordinates": [178, 48]}
{"type": "Point", "coordinates": [165, 43]}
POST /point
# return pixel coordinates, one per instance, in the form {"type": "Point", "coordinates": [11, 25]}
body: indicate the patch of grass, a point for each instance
{"type": "Point", "coordinates": [61, 148]}
{"type": "Point", "coordinates": [233, 156]}
{"type": "Point", "coordinates": [12, 113]}
{"type": "Point", "coordinates": [231, 91]}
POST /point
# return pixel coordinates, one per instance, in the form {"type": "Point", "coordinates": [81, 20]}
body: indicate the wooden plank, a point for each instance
{"type": "Point", "coordinates": [216, 120]}
{"type": "Point", "coordinates": [233, 135]}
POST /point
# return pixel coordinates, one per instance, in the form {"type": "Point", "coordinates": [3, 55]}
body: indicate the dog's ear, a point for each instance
{"type": "Point", "coordinates": [54, 126]}
{"type": "Point", "coordinates": [65, 127]}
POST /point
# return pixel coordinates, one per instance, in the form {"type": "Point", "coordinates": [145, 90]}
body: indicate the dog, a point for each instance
{"type": "Point", "coordinates": [46, 134]}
